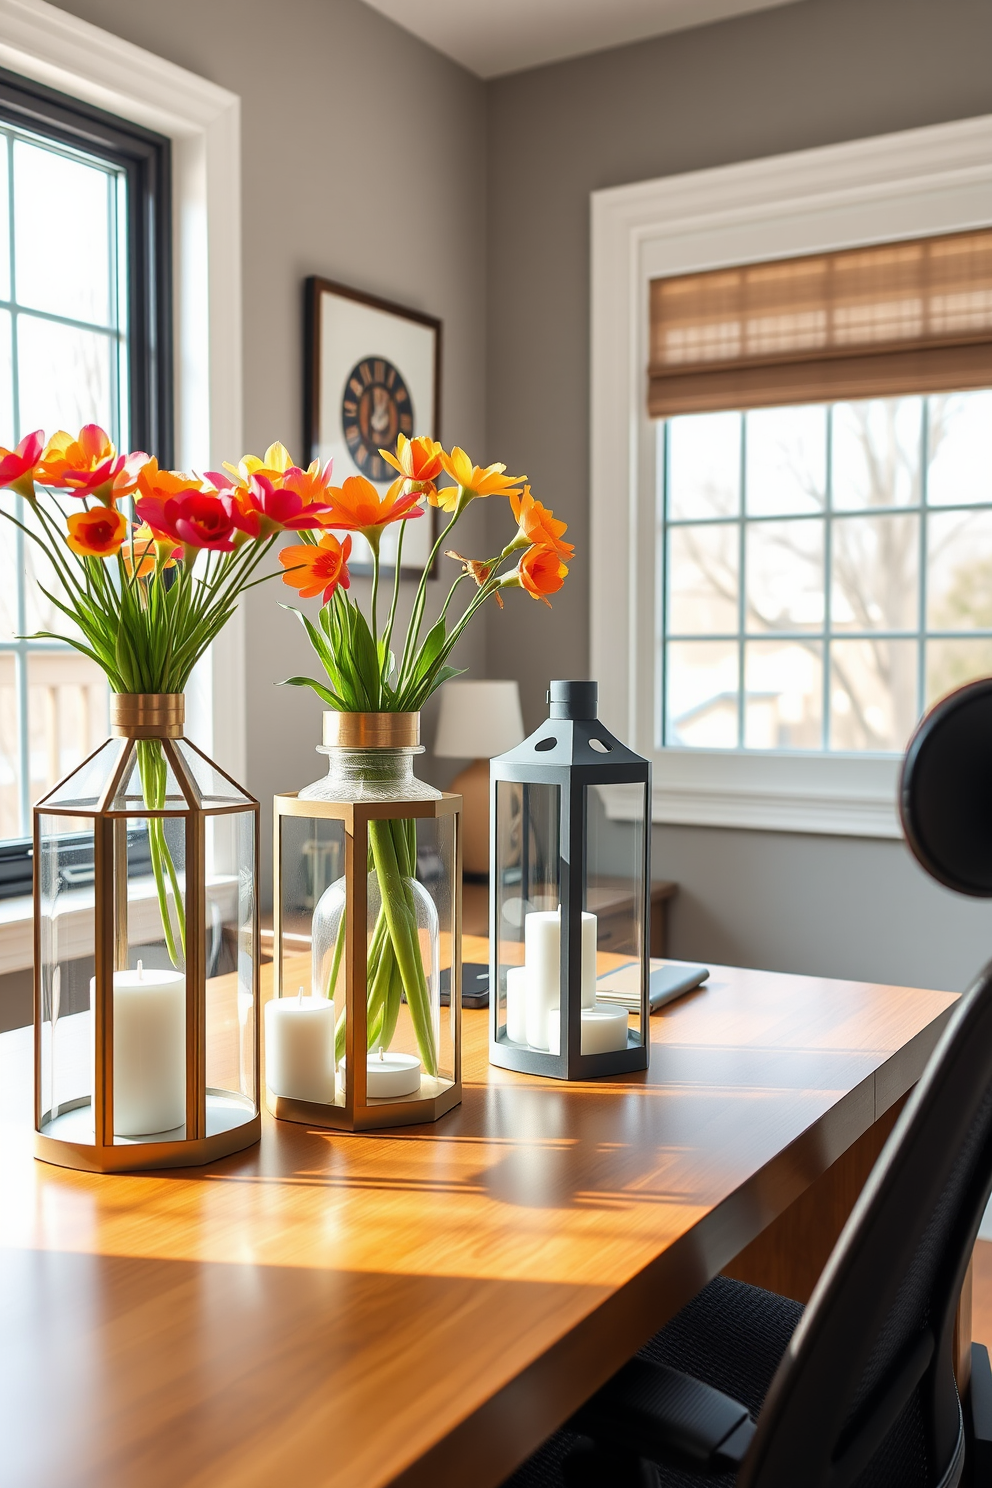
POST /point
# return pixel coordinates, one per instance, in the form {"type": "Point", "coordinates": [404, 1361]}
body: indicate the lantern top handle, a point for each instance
{"type": "Point", "coordinates": [574, 699]}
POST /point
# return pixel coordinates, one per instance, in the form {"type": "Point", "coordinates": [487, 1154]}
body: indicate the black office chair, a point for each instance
{"type": "Point", "coordinates": [857, 1390]}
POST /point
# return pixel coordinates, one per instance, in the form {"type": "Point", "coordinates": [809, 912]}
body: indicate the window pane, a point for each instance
{"type": "Point", "coordinates": [10, 804]}
{"type": "Point", "coordinates": [960, 446]}
{"type": "Point", "coordinates": [876, 453]}
{"type": "Point", "coordinates": [876, 563]}
{"type": "Point", "coordinates": [10, 574]}
{"type": "Point", "coordinates": [7, 432]}
{"type": "Point", "coordinates": [61, 233]}
{"type": "Point", "coordinates": [952, 663]}
{"type": "Point", "coordinates": [786, 460]}
{"type": "Point", "coordinates": [65, 377]}
{"type": "Point", "coordinates": [702, 579]}
{"type": "Point", "coordinates": [701, 682]}
{"type": "Point", "coordinates": [959, 571]}
{"type": "Point", "coordinates": [872, 694]}
{"type": "Point", "coordinates": [704, 465]}
{"type": "Point", "coordinates": [4, 220]}
{"type": "Point", "coordinates": [67, 713]}
{"type": "Point", "coordinates": [785, 576]}
{"type": "Point", "coordinates": [783, 695]}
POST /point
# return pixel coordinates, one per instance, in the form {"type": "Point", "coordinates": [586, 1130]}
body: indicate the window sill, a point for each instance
{"type": "Point", "coordinates": [822, 794]}
{"type": "Point", "coordinates": [76, 921]}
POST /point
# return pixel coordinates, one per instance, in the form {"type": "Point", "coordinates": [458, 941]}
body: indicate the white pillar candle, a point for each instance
{"type": "Point", "coordinates": [389, 1075]}
{"type": "Point", "coordinates": [542, 954]}
{"type": "Point", "coordinates": [516, 1004]}
{"type": "Point", "coordinates": [299, 1048]}
{"type": "Point", "coordinates": [604, 1029]}
{"type": "Point", "coordinates": [149, 1050]}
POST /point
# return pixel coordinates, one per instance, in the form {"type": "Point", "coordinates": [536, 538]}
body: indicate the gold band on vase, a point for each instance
{"type": "Point", "coordinates": [371, 730]}
{"type": "Point", "coordinates": [147, 715]}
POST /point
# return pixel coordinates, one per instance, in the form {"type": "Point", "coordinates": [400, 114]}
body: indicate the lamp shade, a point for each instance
{"type": "Point", "coordinates": [478, 720]}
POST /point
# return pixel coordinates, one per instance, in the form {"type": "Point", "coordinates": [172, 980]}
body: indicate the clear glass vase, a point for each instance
{"type": "Point", "coordinates": [403, 967]}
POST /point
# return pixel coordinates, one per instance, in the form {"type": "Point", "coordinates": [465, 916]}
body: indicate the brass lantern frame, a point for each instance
{"type": "Point", "coordinates": [159, 717]}
{"type": "Point", "coordinates": [355, 1113]}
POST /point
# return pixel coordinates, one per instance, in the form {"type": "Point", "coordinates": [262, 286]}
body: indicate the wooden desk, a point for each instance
{"type": "Point", "coordinates": [425, 1306]}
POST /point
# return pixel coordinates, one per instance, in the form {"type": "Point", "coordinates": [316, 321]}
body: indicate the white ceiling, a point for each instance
{"type": "Point", "coordinates": [492, 37]}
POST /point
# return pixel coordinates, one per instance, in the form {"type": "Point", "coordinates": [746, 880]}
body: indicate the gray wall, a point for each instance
{"type": "Point", "coordinates": [779, 80]}
{"type": "Point", "coordinates": [363, 160]}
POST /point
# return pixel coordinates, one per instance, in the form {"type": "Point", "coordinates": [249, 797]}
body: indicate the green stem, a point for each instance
{"type": "Point", "coordinates": [388, 849]}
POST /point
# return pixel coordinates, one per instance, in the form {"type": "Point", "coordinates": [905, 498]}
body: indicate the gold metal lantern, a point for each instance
{"type": "Point", "coordinates": [367, 936]}
{"type": "Point", "coordinates": [146, 953]}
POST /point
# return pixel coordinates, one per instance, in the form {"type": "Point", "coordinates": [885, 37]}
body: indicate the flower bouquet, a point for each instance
{"type": "Point", "coordinates": [150, 565]}
{"type": "Point", "coordinates": [369, 669]}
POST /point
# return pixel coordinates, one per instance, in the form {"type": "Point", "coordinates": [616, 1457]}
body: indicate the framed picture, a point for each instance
{"type": "Point", "coordinates": [373, 371]}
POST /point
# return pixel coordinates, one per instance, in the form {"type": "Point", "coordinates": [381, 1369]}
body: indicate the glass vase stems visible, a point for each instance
{"type": "Point", "coordinates": [153, 769]}
{"type": "Point", "coordinates": [394, 958]}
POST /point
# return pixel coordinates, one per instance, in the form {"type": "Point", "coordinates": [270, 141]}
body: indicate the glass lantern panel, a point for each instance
{"type": "Point", "coordinates": [213, 788]}
{"type": "Point", "coordinates": [67, 925]}
{"type": "Point", "coordinates": [230, 964]}
{"type": "Point", "coordinates": [84, 788]}
{"type": "Point", "coordinates": [435, 876]}
{"type": "Point", "coordinates": [150, 924]}
{"type": "Point", "coordinates": [300, 1047]}
{"type": "Point", "coordinates": [528, 877]}
{"type": "Point", "coordinates": [149, 782]}
{"type": "Point", "coordinates": [614, 929]}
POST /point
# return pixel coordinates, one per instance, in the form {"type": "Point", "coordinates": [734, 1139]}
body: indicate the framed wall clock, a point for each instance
{"type": "Point", "coordinates": [372, 371]}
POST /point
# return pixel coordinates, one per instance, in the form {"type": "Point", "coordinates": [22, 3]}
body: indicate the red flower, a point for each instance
{"type": "Point", "coordinates": [320, 569]}
{"type": "Point", "coordinates": [197, 519]}
{"type": "Point", "coordinates": [17, 467]}
{"type": "Point", "coordinates": [86, 466]}
{"type": "Point", "coordinates": [265, 508]}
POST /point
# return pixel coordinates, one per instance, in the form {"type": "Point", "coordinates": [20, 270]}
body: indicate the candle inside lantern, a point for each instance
{"type": "Point", "coordinates": [389, 1075]}
{"type": "Point", "coordinates": [516, 1004]}
{"type": "Point", "coordinates": [149, 1050]}
{"type": "Point", "coordinates": [542, 956]}
{"type": "Point", "coordinates": [299, 1048]}
{"type": "Point", "coordinates": [604, 1029]}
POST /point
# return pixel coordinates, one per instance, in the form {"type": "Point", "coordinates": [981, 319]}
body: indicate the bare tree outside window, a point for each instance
{"type": "Point", "coordinates": [828, 570]}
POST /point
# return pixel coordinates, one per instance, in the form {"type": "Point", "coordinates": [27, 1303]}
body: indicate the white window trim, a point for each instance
{"type": "Point", "coordinates": [904, 185]}
{"type": "Point", "coordinates": [203, 122]}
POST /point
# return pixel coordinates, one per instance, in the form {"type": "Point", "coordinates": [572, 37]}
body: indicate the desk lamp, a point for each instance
{"type": "Point", "coordinates": [477, 721]}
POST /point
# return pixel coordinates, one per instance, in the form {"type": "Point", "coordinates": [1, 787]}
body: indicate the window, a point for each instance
{"type": "Point", "coordinates": [827, 570]}
{"type": "Point", "coordinates": [898, 193]}
{"type": "Point", "coordinates": [85, 335]}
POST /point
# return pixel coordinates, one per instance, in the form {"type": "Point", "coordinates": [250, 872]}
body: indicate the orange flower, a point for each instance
{"type": "Point", "coordinates": [149, 550]}
{"type": "Point", "coordinates": [417, 460]}
{"type": "Point", "coordinates": [537, 524]}
{"type": "Point", "coordinates": [316, 570]}
{"type": "Point", "coordinates": [97, 533]}
{"type": "Point", "coordinates": [540, 571]}
{"type": "Point", "coordinates": [163, 485]}
{"type": "Point", "coordinates": [471, 480]}
{"type": "Point", "coordinates": [87, 466]}
{"type": "Point", "coordinates": [357, 507]}
{"type": "Point", "coordinates": [310, 485]}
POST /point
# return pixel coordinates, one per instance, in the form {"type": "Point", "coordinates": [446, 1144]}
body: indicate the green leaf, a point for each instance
{"type": "Point", "coordinates": [324, 693]}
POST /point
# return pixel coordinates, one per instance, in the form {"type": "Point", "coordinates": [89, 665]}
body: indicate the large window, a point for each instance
{"type": "Point", "coordinates": [827, 570]}
{"type": "Point", "coordinates": [84, 337]}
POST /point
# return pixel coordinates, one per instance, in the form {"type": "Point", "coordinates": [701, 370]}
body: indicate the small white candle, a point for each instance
{"type": "Point", "coordinates": [299, 1048]}
{"type": "Point", "coordinates": [542, 954]}
{"type": "Point", "coordinates": [388, 1075]}
{"type": "Point", "coordinates": [604, 1029]}
{"type": "Point", "coordinates": [149, 1050]}
{"type": "Point", "coordinates": [516, 1004]}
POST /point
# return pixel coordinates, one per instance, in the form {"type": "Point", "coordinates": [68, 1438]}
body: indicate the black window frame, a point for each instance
{"type": "Point", "coordinates": [145, 158]}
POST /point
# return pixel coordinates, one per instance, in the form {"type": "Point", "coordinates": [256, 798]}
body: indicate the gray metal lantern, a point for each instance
{"type": "Point", "coordinates": [569, 951]}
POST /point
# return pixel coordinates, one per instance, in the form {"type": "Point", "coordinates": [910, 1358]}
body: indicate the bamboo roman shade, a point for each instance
{"type": "Point", "coordinates": [895, 318]}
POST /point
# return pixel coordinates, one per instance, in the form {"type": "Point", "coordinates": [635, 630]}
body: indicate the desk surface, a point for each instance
{"type": "Point", "coordinates": [423, 1306]}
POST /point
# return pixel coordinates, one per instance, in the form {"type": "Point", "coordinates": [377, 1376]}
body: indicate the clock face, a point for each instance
{"type": "Point", "coordinates": [374, 409]}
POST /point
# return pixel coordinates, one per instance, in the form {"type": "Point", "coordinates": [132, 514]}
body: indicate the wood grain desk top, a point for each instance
{"type": "Point", "coordinates": [425, 1306]}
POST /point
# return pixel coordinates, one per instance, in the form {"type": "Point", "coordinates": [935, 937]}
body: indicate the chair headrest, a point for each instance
{"type": "Point", "coordinates": [945, 791]}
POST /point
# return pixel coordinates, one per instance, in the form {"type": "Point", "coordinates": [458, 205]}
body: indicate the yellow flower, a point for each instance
{"type": "Point", "coordinates": [276, 461]}
{"type": "Point", "coordinates": [472, 480]}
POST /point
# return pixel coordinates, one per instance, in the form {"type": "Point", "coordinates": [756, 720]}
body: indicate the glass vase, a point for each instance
{"type": "Point", "coordinates": [384, 932]}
